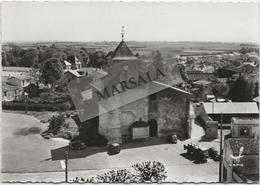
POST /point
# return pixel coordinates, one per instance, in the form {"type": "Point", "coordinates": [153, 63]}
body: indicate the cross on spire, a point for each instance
{"type": "Point", "coordinates": [123, 32]}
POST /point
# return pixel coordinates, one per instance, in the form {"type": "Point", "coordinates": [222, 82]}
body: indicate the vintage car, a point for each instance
{"type": "Point", "coordinates": [77, 145]}
{"type": "Point", "coordinates": [113, 149]}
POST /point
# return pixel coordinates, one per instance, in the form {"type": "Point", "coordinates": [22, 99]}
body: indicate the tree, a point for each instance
{"type": "Point", "coordinates": [157, 60]}
{"type": "Point", "coordinates": [35, 74]}
{"type": "Point", "coordinates": [51, 72]}
{"type": "Point", "coordinates": [241, 90]}
{"type": "Point", "coordinates": [220, 90]}
{"type": "Point", "coordinates": [29, 58]}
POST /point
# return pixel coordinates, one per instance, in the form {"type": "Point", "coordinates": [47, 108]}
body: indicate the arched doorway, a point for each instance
{"type": "Point", "coordinates": [153, 131]}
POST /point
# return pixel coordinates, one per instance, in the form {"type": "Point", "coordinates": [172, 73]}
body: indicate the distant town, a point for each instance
{"type": "Point", "coordinates": [200, 125]}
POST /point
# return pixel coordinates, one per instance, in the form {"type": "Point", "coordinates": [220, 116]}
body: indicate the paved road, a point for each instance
{"type": "Point", "coordinates": [24, 153]}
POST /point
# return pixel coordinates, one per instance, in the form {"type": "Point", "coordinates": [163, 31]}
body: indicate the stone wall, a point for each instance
{"type": "Point", "coordinates": [171, 111]}
{"type": "Point", "coordinates": [169, 108]}
{"type": "Point", "coordinates": [121, 119]}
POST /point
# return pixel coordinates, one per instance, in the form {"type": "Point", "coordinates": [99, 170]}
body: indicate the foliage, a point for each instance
{"type": "Point", "coordinates": [30, 106]}
{"type": "Point", "coordinates": [144, 172]}
{"type": "Point", "coordinates": [245, 50]}
{"type": "Point", "coordinates": [113, 176]}
{"type": "Point", "coordinates": [97, 60]}
{"type": "Point", "coordinates": [118, 176]}
{"type": "Point", "coordinates": [32, 90]}
{"type": "Point", "coordinates": [220, 90]}
{"type": "Point", "coordinates": [157, 60]}
{"type": "Point", "coordinates": [150, 171]}
{"type": "Point", "coordinates": [56, 122]}
{"type": "Point", "coordinates": [51, 71]}
{"type": "Point", "coordinates": [241, 91]}
{"type": "Point", "coordinates": [35, 73]}
{"type": "Point", "coordinates": [82, 180]}
{"type": "Point", "coordinates": [54, 97]}
{"type": "Point", "coordinates": [29, 58]}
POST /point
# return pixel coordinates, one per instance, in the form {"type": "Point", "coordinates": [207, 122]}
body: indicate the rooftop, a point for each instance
{"type": "Point", "coordinates": [16, 69]}
{"type": "Point", "coordinates": [231, 108]}
{"type": "Point", "coordinates": [67, 63]}
{"type": "Point", "coordinates": [251, 146]}
{"type": "Point", "coordinates": [122, 52]}
{"type": "Point", "coordinates": [7, 87]}
{"type": "Point", "coordinates": [74, 72]}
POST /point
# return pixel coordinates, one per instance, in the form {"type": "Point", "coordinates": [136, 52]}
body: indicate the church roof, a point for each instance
{"type": "Point", "coordinates": [122, 52]}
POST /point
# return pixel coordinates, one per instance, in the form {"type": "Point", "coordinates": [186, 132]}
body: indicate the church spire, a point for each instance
{"type": "Point", "coordinates": [123, 32]}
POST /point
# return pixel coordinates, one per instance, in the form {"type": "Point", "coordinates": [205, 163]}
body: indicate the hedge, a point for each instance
{"type": "Point", "coordinates": [34, 106]}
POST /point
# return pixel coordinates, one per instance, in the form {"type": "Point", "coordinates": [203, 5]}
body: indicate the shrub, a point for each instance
{"type": "Point", "coordinates": [119, 176]}
{"type": "Point", "coordinates": [150, 171]}
{"type": "Point", "coordinates": [56, 122]}
{"type": "Point", "coordinates": [32, 90]}
{"type": "Point", "coordinates": [146, 171]}
{"type": "Point", "coordinates": [82, 180]}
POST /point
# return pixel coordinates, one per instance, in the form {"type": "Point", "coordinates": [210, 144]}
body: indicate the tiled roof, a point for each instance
{"type": "Point", "coordinates": [122, 52]}
{"type": "Point", "coordinates": [22, 76]}
{"type": "Point", "coordinates": [7, 87]}
{"type": "Point", "coordinates": [251, 146]}
{"type": "Point", "coordinates": [74, 72]}
{"type": "Point", "coordinates": [16, 69]}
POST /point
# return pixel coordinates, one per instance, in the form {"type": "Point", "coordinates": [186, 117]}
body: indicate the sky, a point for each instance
{"type": "Point", "coordinates": [146, 21]}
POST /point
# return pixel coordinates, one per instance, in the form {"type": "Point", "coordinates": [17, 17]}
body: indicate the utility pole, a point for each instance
{"type": "Point", "coordinates": [220, 150]}
{"type": "Point", "coordinates": [66, 165]}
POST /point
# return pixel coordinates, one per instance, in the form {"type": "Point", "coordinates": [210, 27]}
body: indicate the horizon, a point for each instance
{"type": "Point", "coordinates": [118, 41]}
{"type": "Point", "coordinates": [102, 22]}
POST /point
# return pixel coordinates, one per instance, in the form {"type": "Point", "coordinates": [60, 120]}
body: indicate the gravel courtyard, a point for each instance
{"type": "Point", "coordinates": [27, 156]}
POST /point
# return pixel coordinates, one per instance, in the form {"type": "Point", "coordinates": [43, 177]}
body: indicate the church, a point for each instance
{"type": "Point", "coordinates": [155, 109]}
{"type": "Point", "coordinates": [162, 113]}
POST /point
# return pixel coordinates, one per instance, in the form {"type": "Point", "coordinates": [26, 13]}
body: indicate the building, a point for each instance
{"type": "Point", "coordinates": [10, 92]}
{"type": "Point", "coordinates": [20, 81]}
{"type": "Point", "coordinates": [71, 75]}
{"type": "Point", "coordinates": [75, 62]}
{"type": "Point", "coordinates": [198, 75]}
{"type": "Point", "coordinates": [230, 109]}
{"type": "Point", "coordinates": [244, 127]}
{"type": "Point", "coordinates": [246, 169]}
{"type": "Point", "coordinates": [164, 111]}
{"type": "Point", "coordinates": [66, 65]}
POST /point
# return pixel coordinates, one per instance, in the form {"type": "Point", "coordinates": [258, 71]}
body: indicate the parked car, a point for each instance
{"type": "Point", "coordinates": [77, 145]}
{"type": "Point", "coordinates": [173, 139]}
{"type": "Point", "coordinates": [113, 149]}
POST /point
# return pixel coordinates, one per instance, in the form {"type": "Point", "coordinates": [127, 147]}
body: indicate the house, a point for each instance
{"type": "Point", "coordinates": [21, 80]}
{"type": "Point", "coordinates": [245, 170]}
{"type": "Point", "coordinates": [163, 107]}
{"type": "Point", "coordinates": [198, 75]}
{"type": "Point", "coordinates": [71, 75]}
{"type": "Point", "coordinates": [230, 109]}
{"type": "Point", "coordinates": [10, 92]}
{"type": "Point", "coordinates": [75, 62]}
{"type": "Point", "coordinates": [242, 127]}
{"type": "Point", "coordinates": [66, 65]}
